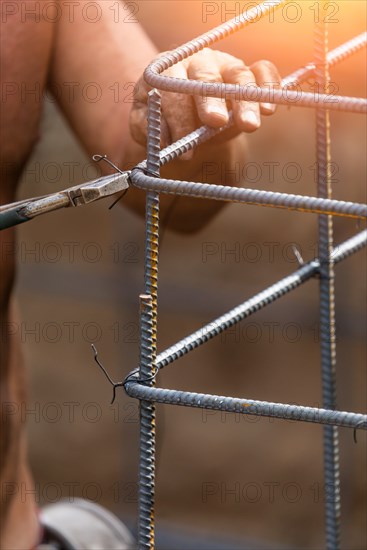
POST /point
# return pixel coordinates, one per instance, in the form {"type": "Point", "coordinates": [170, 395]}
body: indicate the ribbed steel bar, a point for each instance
{"type": "Point", "coordinates": [283, 411]}
{"type": "Point", "coordinates": [347, 49]}
{"type": "Point", "coordinates": [202, 134]}
{"type": "Point", "coordinates": [149, 334]}
{"type": "Point", "coordinates": [256, 93]}
{"type": "Point", "coordinates": [154, 77]}
{"type": "Point", "coordinates": [327, 294]}
{"type": "Point", "coordinates": [257, 302]}
{"type": "Point", "coordinates": [237, 314]}
{"type": "Point", "coordinates": [350, 246]}
{"type": "Point", "coordinates": [334, 57]}
{"type": "Point", "coordinates": [192, 140]}
{"type": "Point", "coordinates": [222, 31]}
{"type": "Point", "coordinates": [248, 196]}
{"type": "Point", "coordinates": [237, 92]}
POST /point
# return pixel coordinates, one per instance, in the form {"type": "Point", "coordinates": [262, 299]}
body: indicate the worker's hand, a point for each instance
{"type": "Point", "coordinates": [183, 113]}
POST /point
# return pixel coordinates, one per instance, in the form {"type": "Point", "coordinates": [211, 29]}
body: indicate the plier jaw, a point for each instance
{"type": "Point", "coordinates": [98, 189]}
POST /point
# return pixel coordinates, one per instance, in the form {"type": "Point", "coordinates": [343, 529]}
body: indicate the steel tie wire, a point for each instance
{"type": "Point", "coordinates": [148, 344]}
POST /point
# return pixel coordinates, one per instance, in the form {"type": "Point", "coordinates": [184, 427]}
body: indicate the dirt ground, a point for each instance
{"type": "Point", "coordinates": [80, 273]}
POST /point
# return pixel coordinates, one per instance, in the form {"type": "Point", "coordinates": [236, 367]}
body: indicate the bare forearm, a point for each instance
{"type": "Point", "coordinates": [94, 69]}
{"type": "Point", "coordinates": [111, 58]}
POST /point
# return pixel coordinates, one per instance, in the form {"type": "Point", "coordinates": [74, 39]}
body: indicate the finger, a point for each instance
{"type": "Point", "coordinates": [142, 88]}
{"type": "Point", "coordinates": [139, 114]}
{"type": "Point", "coordinates": [139, 126]}
{"type": "Point", "coordinates": [267, 76]}
{"type": "Point", "coordinates": [204, 66]}
{"type": "Point", "coordinates": [234, 71]}
{"type": "Point", "coordinates": [178, 110]}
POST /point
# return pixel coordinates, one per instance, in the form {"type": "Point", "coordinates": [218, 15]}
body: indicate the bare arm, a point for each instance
{"type": "Point", "coordinates": [94, 69]}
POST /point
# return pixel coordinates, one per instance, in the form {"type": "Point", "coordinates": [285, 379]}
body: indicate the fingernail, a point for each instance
{"type": "Point", "coordinates": [218, 111]}
{"type": "Point", "coordinates": [268, 107]}
{"type": "Point", "coordinates": [251, 119]}
{"type": "Point", "coordinates": [187, 156]}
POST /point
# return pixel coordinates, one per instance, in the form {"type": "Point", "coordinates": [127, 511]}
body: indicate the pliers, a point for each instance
{"type": "Point", "coordinates": [25, 210]}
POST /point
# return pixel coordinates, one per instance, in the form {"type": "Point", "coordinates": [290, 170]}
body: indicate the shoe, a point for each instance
{"type": "Point", "coordinates": [82, 525]}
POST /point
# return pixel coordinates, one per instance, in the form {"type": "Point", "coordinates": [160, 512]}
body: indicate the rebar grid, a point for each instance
{"type": "Point", "coordinates": [146, 176]}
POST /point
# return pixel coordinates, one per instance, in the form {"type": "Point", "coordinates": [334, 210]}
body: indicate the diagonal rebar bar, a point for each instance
{"type": "Point", "coordinates": [334, 57]}
{"type": "Point", "coordinates": [257, 302]}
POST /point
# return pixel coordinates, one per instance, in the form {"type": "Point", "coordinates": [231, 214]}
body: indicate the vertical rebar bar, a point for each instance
{"type": "Point", "coordinates": [148, 342]}
{"type": "Point", "coordinates": [327, 290]}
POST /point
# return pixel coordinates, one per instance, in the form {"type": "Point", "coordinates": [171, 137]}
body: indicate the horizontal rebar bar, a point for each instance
{"type": "Point", "coordinates": [204, 133]}
{"type": "Point", "coordinates": [236, 92]}
{"type": "Point", "coordinates": [257, 302]}
{"type": "Point", "coordinates": [254, 407]}
{"type": "Point", "coordinates": [248, 196]}
{"type": "Point", "coordinates": [252, 92]}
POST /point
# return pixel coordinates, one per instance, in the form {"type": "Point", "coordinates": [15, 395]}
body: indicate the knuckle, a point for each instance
{"type": "Point", "coordinates": [140, 91]}
{"type": "Point", "coordinates": [138, 125]}
{"type": "Point", "coordinates": [263, 64]}
{"type": "Point", "coordinates": [240, 72]}
{"type": "Point", "coordinates": [205, 52]}
{"type": "Point", "coordinates": [266, 67]}
{"type": "Point", "coordinates": [206, 75]}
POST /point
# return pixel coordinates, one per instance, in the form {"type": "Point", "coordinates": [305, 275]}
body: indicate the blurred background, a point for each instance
{"type": "Point", "coordinates": [80, 273]}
